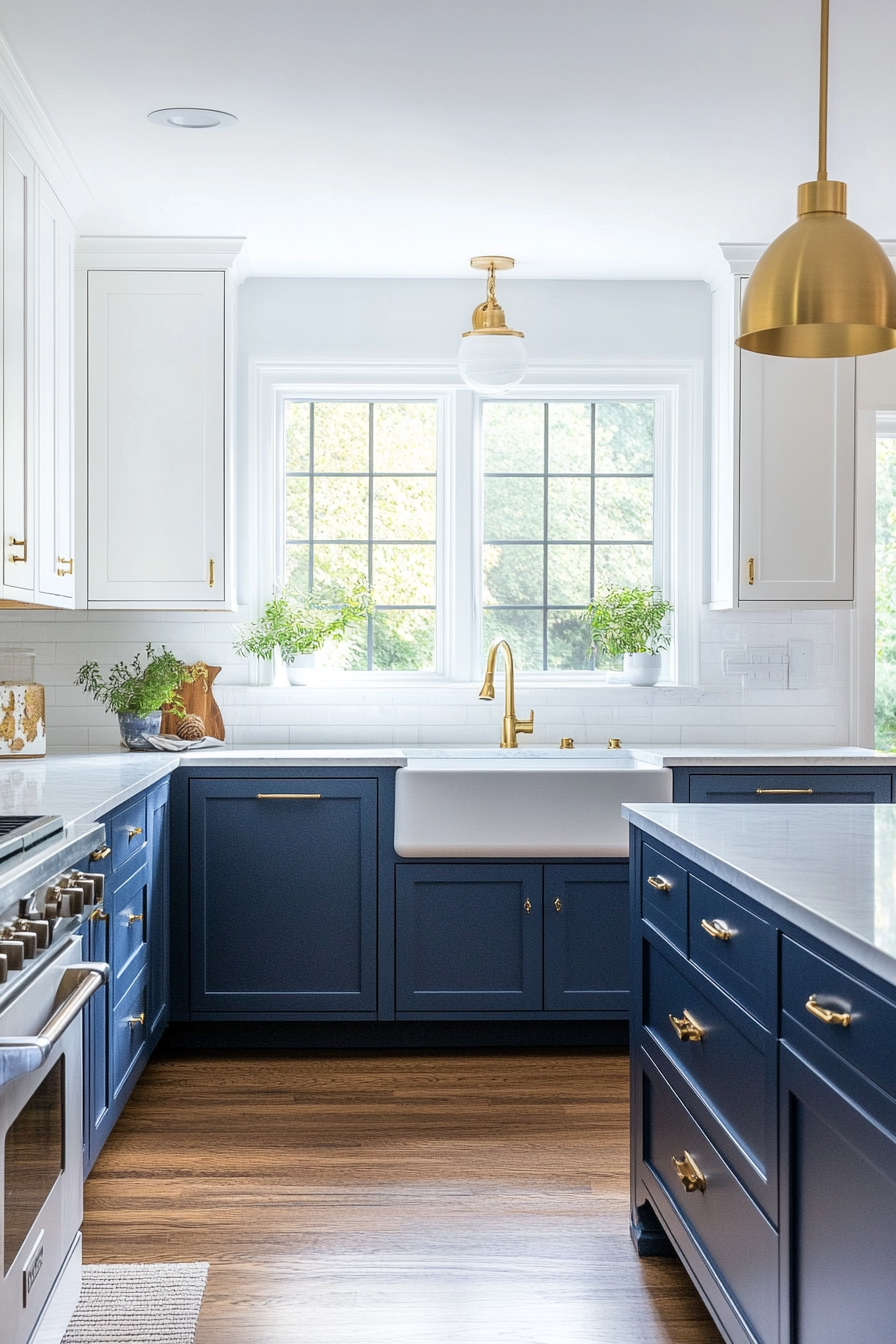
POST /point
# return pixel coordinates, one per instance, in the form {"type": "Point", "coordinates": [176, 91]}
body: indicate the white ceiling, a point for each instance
{"type": "Point", "coordinates": [587, 138]}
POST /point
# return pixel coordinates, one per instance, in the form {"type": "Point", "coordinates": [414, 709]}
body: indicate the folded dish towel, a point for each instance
{"type": "Point", "coordinates": [165, 742]}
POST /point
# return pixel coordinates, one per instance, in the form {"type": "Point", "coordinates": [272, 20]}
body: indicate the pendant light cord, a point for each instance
{"type": "Point", "coordinates": [823, 95]}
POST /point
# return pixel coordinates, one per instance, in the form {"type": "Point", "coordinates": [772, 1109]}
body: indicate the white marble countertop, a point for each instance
{"type": "Point", "coordinates": [830, 869]}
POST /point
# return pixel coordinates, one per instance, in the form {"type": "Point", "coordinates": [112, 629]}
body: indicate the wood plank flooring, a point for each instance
{"type": "Point", "coordinates": [412, 1198]}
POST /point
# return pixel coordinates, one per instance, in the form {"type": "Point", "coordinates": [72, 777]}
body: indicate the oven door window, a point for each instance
{"type": "Point", "coordinates": [33, 1160]}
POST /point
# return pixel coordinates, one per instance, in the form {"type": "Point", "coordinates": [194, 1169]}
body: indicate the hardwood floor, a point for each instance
{"type": "Point", "coordinates": [410, 1198]}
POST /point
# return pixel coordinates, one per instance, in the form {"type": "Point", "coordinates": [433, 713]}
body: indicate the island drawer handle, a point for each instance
{"type": "Point", "coordinates": [687, 1028]}
{"type": "Point", "coordinates": [135, 919]}
{"type": "Point", "coordinates": [689, 1173]}
{"type": "Point", "coordinates": [716, 928]}
{"type": "Point", "coordinates": [827, 1014]}
{"type": "Point", "coordinates": [137, 1021]}
{"type": "Point", "coordinates": [134, 830]}
{"type": "Point", "coordinates": [785, 790]}
{"type": "Point", "coordinates": [659, 884]}
{"type": "Point", "coordinates": [99, 854]}
{"type": "Point", "coordinates": [287, 795]}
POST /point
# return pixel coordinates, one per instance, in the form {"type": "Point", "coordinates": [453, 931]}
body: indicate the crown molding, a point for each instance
{"type": "Point", "coordinates": [21, 105]}
{"type": "Point", "coordinates": [124, 253]}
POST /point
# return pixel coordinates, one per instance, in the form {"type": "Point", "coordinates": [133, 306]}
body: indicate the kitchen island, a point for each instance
{"type": "Point", "coordinates": [764, 1063]}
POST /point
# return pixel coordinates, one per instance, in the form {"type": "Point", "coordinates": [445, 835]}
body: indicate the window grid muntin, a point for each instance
{"type": "Point", "coordinates": [545, 475]}
{"type": "Point", "coordinates": [370, 476]}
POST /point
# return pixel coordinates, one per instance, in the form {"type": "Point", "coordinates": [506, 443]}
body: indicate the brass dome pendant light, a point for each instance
{"type": "Point", "coordinates": [492, 357]}
{"type": "Point", "coordinates": [824, 289]}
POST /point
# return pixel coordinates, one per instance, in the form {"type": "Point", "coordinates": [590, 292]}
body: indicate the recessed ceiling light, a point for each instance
{"type": "Point", "coordinates": [191, 118]}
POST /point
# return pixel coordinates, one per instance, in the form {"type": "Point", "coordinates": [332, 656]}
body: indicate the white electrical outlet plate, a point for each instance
{"type": "Point", "coordinates": [764, 665]}
{"type": "Point", "coordinates": [799, 669]}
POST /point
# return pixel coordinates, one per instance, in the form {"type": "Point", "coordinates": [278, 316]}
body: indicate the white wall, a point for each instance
{"type": "Point", "coordinates": [362, 320]}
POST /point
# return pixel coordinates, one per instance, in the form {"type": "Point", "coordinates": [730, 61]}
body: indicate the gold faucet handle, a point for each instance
{"type": "Point", "coordinates": [526, 725]}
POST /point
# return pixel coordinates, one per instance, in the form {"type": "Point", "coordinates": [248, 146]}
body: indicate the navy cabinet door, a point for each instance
{"type": "Point", "coordinates": [157, 913]}
{"type": "Point", "coordinates": [849, 787]}
{"type": "Point", "coordinates": [97, 1070]}
{"type": "Point", "coordinates": [586, 936]}
{"type": "Point", "coordinates": [839, 1171]}
{"type": "Point", "coordinates": [283, 896]}
{"type": "Point", "coordinates": [468, 938]}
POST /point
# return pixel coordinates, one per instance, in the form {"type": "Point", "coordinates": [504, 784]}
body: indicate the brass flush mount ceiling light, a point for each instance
{"type": "Point", "coordinates": [824, 289]}
{"type": "Point", "coordinates": [492, 357]}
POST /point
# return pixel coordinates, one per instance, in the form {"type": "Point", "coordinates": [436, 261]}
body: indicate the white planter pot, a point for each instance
{"type": "Point", "coordinates": [642, 669]}
{"type": "Point", "coordinates": [301, 671]}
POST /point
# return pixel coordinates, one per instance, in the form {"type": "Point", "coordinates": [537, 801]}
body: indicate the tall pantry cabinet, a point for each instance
{"type": "Point", "coordinates": [36, 276]}
{"type": "Point", "coordinates": [154, 422]}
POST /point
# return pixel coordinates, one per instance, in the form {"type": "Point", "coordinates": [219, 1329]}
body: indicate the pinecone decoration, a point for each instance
{"type": "Point", "coordinates": [191, 728]}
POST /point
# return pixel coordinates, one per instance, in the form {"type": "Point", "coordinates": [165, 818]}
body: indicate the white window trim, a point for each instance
{"type": "Point", "coordinates": [678, 389]}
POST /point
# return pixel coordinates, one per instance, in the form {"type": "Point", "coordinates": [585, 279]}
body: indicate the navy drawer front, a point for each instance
{"type": "Point", "coordinates": [664, 895]}
{"type": "Point", "coordinates": [128, 910]}
{"type": "Point", "coordinates": [728, 1070]}
{"type": "Point", "coordinates": [735, 947]}
{"type": "Point", "coordinates": [127, 832]}
{"type": "Point", "coordinates": [732, 1232]}
{"type": "Point", "coordinates": [129, 1030]}
{"type": "Point", "coordinates": [848, 787]}
{"type": "Point", "coordinates": [868, 1042]}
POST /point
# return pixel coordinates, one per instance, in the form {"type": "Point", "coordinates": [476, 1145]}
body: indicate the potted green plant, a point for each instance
{"type": "Point", "coordinates": [632, 622]}
{"type": "Point", "coordinates": [294, 627]}
{"type": "Point", "coordinates": [138, 694]}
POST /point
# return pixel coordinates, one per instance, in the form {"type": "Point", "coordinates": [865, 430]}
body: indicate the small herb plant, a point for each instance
{"type": "Point", "coordinates": [302, 624]}
{"type": "Point", "coordinates": [134, 689]}
{"type": "Point", "coordinates": [629, 620]}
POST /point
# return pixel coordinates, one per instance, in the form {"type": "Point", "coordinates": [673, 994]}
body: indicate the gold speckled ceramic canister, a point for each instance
{"type": "Point", "coordinates": [23, 728]}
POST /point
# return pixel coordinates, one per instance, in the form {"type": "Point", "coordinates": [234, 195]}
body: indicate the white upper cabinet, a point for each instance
{"type": "Point", "coordinates": [783, 471]}
{"type": "Point", "coordinates": [19, 548]}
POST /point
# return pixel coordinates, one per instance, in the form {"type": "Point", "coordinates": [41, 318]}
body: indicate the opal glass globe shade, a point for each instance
{"type": "Point", "coordinates": [491, 363]}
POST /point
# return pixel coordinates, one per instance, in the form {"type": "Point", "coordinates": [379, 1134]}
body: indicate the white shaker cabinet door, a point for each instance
{"type": "Point", "coordinates": [156, 439]}
{"type": "Point", "coordinates": [54, 298]}
{"type": "Point", "coordinates": [18, 355]}
{"type": "Point", "coordinates": [797, 479]}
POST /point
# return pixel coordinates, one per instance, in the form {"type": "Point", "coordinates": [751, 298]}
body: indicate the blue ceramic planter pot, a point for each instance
{"type": "Point", "coordinates": [135, 730]}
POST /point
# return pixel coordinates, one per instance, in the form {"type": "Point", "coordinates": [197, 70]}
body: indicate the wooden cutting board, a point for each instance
{"type": "Point", "coordinates": [198, 698]}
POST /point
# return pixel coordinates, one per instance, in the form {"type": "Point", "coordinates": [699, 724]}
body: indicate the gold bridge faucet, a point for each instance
{"type": "Point", "coordinates": [511, 725]}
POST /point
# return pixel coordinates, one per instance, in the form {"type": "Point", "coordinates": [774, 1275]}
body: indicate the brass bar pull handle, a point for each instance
{"type": "Point", "coordinates": [558, 905]}
{"type": "Point", "coordinates": [211, 573]}
{"type": "Point", "coordinates": [66, 567]}
{"type": "Point", "coordinates": [137, 1021]}
{"type": "Point", "coordinates": [687, 1028]}
{"type": "Point", "coordinates": [751, 572]}
{"type": "Point", "coordinates": [827, 1014]}
{"type": "Point", "coordinates": [689, 1173]}
{"type": "Point", "coordinates": [19, 559]}
{"type": "Point", "coordinates": [134, 830]}
{"type": "Point", "coordinates": [659, 884]}
{"type": "Point", "coordinates": [716, 928]}
{"type": "Point", "coordinates": [135, 919]}
{"type": "Point", "coordinates": [785, 790]}
{"type": "Point", "coordinates": [528, 906]}
{"type": "Point", "coordinates": [99, 854]}
{"type": "Point", "coordinates": [287, 795]}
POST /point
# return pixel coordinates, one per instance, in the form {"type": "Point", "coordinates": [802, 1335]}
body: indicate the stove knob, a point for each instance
{"type": "Point", "coordinates": [39, 927]}
{"type": "Point", "coordinates": [13, 949]}
{"type": "Point", "coordinates": [28, 938]}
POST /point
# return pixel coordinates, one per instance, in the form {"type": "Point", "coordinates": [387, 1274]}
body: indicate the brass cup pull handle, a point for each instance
{"type": "Point", "coordinates": [287, 795]}
{"type": "Point", "coordinates": [137, 1021]}
{"type": "Point", "coordinates": [785, 790]}
{"type": "Point", "coordinates": [135, 919]}
{"type": "Point", "coordinates": [99, 854]}
{"type": "Point", "coordinates": [687, 1028]}
{"type": "Point", "coordinates": [716, 928]}
{"type": "Point", "coordinates": [558, 905]}
{"type": "Point", "coordinates": [659, 884]}
{"type": "Point", "coordinates": [689, 1173]}
{"type": "Point", "coordinates": [827, 1014]}
{"type": "Point", "coordinates": [134, 830]}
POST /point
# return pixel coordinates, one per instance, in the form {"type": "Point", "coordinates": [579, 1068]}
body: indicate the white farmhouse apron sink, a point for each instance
{"type": "Point", "coordinates": [535, 803]}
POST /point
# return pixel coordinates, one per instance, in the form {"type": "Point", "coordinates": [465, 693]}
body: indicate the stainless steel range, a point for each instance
{"type": "Point", "coordinates": [44, 985]}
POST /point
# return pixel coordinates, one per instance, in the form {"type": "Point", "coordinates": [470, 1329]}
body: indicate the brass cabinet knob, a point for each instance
{"type": "Point", "coordinates": [528, 906]}
{"type": "Point", "coordinates": [687, 1028]}
{"type": "Point", "coordinates": [134, 830]}
{"type": "Point", "coordinates": [136, 1021]}
{"type": "Point", "coordinates": [827, 1014]}
{"type": "Point", "coordinates": [689, 1173]}
{"type": "Point", "coordinates": [716, 928]}
{"type": "Point", "coordinates": [659, 884]}
{"type": "Point", "coordinates": [135, 919]}
{"type": "Point", "coordinates": [558, 905]}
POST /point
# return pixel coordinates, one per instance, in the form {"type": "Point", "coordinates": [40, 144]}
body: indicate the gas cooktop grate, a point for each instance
{"type": "Point", "coordinates": [8, 824]}
{"type": "Point", "coordinates": [23, 832]}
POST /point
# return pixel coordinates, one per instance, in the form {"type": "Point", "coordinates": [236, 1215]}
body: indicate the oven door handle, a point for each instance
{"type": "Point", "coordinates": [25, 1054]}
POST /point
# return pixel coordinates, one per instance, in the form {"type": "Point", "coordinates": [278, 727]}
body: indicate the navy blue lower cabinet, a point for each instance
{"type": "Point", "coordinates": [839, 1174]}
{"type": "Point", "coordinates": [283, 886]}
{"type": "Point", "coordinates": [846, 787]}
{"type": "Point", "coordinates": [157, 914]}
{"type": "Point", "coordinates": [468, 938]}
{"type": "Point", "coordinates": [586, 937]}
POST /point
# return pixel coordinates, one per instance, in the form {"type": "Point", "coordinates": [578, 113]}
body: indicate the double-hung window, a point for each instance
{"type": "Point", "coordinates": [474, 517]}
